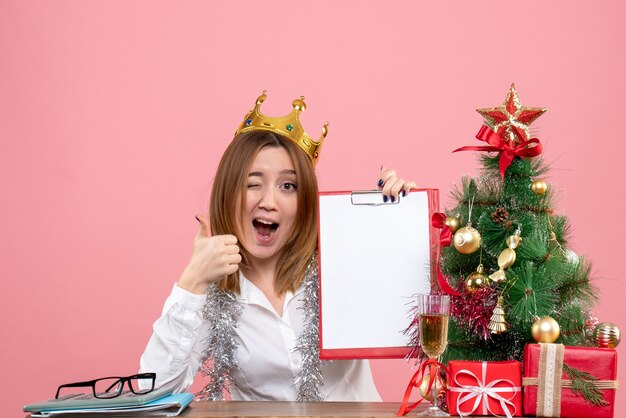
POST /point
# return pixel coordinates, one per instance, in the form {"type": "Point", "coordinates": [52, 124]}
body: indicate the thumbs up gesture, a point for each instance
{"type": "Point", "coordinates": [213, 258]}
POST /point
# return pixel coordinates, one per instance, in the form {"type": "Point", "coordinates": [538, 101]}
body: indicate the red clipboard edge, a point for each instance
{"type": "Point", "coordinates": [382, 352]}
{"type": "Point", "coordinates": [364, 353]}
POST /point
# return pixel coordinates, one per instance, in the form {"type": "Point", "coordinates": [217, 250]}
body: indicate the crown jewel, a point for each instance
{"type": "Point", "coordinates": [288, 126]}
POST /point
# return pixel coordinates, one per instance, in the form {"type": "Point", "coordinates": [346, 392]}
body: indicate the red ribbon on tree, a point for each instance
{"type": "Point", "coordinates": [445, 238]}
{"type": "Point", "coordinates": [405, 408]}
{"type": "Point", "coordinates": [526, 149]}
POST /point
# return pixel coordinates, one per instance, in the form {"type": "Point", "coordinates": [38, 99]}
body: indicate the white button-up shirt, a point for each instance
{"type": "Point", "coordinates": [268, 364]}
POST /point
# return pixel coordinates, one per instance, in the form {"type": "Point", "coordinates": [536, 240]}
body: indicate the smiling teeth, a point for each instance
{"type": "Point", "coordinates": [263, 221]}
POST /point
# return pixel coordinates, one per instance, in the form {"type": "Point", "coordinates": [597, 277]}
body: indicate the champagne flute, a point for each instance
{"type": "Point", "coordinates": [434, 312]}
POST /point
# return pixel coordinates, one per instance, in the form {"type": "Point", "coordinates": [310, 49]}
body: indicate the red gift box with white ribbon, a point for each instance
{"type": "Point", "coordinates": [484, 388]}
{"type": "Point", "coordinates": [548, 387]}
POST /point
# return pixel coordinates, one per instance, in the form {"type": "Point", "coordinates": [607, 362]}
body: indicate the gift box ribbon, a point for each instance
{"type": "Point", "coordinates": [550, 382]}
{"type": "Point", "coordinates": [482, 391]}
{"type": "Point", "coordinates": [567, 384]}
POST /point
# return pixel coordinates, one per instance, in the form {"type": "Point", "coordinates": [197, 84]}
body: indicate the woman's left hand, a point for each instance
{"type": "Point", "coordinates": [392, 185]}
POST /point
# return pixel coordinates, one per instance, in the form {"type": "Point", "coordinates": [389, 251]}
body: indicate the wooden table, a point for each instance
{"type": "Point", "coordinates": [268, 409]}
{"type": "Point", "coordinates": [295, 409]}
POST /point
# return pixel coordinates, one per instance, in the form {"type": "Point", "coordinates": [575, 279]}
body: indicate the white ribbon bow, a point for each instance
{"type": "Point", "coordinates": [483, 392]}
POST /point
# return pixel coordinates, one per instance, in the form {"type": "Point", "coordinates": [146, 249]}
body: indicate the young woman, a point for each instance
{"type": "Point", "coordinates": [240, 310]}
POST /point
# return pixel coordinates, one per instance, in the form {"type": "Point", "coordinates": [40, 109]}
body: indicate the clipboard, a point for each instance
{"type": "Point", "coordinates": [374, 258]}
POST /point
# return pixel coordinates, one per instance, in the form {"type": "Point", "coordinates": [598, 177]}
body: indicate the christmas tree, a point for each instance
{"type": "Point", "coordinates": [503, 257]}
{"type": "Point", "coordinates": [509, 267]}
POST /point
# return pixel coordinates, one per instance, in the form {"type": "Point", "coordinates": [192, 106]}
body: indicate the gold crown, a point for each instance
{"type": "Point", "coordinates": [288, 126]}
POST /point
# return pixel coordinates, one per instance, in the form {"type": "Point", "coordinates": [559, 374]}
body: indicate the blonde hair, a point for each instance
{"type": "Point", "coordinates": [228, 199]}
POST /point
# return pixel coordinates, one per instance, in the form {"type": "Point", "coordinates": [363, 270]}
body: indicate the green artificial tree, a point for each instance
{"type": "Point", "coordinates": [512, 209]}
{"type": "Point", "coordinates": [503, 257]}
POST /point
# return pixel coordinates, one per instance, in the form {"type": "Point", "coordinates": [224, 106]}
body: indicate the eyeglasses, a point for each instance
{"type": "Point", "coordinates": [111, 387]}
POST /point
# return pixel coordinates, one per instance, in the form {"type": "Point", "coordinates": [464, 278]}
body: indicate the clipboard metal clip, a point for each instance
{"type": "Point", "coordinates": [370, 198]}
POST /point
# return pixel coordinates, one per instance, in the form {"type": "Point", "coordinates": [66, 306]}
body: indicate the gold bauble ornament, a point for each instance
{"type": "Point", "coordinates": [440, 387]}
{"type": "Point", "coordinates": [477, 280]}
{"type": "Point", "coordinates": [606, 335]}
{"type": "Point", "coordinates": [539, 187]}
{"type": "Point", "coordinates": [453, 222]}
{"type": "Point", "coordinates": [545, 330]}
{"type": "Point", "coordinates": [467, 240]}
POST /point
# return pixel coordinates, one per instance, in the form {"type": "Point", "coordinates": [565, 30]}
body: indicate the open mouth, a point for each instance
{"type": "Point", "coordinates": [264, 228]}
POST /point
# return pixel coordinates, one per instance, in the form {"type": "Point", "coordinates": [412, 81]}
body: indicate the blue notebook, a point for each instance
{"type": "Point", "coordinates": [166, 406]}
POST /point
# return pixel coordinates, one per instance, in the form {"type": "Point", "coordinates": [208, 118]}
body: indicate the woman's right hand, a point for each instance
{"type": "Point", "coordinates": [213, 258]}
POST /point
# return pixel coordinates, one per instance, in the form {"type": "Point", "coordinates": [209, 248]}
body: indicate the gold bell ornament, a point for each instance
{"type": "Point", "coordinates": [467, 239]}
{"type": "Point", "coordinates": [606, 335]}
{"type": "Point", "coordinates": [497, 322]}
{"type": "Point", "coordinates": [477, 280]}
{"type": "Point", "coordinates": [545, 330]}
{"type": "Point", "coordinates": [539, 187]}
{"type": "Point", "coordinates": [507, 257]}
{"type": "Point", "coordinates": [440, 387]}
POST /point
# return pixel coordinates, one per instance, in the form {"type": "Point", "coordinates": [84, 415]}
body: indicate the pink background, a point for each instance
{"type": "Point", "coordinates": [113, 116]}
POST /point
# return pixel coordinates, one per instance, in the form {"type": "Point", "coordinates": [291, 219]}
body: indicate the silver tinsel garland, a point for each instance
{"type": "Point", "coordinates": [310, 379]}
{"type": "Point", "coordinates": [222, 310]}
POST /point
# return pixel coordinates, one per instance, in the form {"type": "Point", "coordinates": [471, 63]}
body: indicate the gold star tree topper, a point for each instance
{"type": "Point", "coordinates": [511, 119]}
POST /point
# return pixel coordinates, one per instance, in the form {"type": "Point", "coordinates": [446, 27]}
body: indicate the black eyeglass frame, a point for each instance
{"type": "Point", "coordinates": [119, 382]}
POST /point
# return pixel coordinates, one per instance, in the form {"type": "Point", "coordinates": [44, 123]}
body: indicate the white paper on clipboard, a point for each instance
{"type": "Point", "coordinates": [374, 257]}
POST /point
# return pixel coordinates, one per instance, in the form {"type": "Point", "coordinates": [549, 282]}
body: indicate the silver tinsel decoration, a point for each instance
{"type": "Point", "coordinates": [310, 379]}
{"type": "Point", "coordinates": [222, 311]}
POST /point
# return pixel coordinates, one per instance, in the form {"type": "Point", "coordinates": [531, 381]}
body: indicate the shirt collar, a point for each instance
{"type": "Point", "coordinates": [250, 294]}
